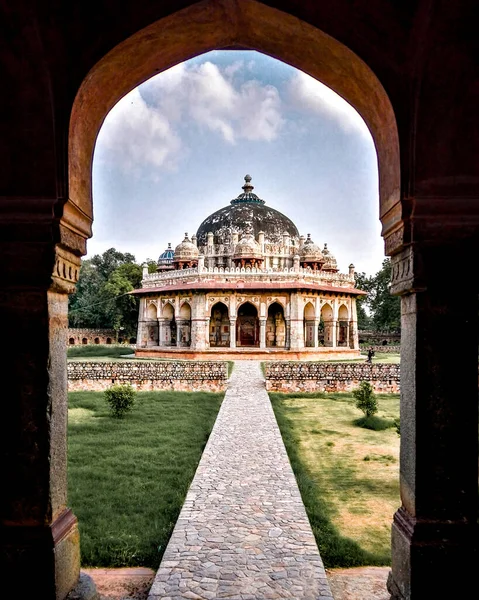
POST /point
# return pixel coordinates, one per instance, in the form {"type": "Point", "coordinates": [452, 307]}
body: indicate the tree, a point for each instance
{"type": "Point", "coordinates": [385, 308]}
{"type": "Point", "coordinates": [102, 298]}
{"type": "Point", "coordinates": [362, 282]}
{"type": "Point", "coordinates": [366, 399]}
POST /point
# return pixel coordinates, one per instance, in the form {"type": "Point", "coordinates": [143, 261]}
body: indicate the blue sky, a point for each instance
{"type": "Point", "coordinates": [177, 148]}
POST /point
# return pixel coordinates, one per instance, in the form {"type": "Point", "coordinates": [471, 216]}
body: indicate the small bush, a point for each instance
{"type": "Point", "coordinates": [121, 399]}
{"type": "Point", "coordinates": [366, 399]}
{"type": "Point", "coordinates": [374, 423]}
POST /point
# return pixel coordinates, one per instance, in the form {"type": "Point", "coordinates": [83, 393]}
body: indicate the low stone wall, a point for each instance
{"type": "Point", "coordinates": [329, 377]}
{"type": "Point", "coordinates": [207, 376]}
{"type": "Point", "coordinates": [386, 349]}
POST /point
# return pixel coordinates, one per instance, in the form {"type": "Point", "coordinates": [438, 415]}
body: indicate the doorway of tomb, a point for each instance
{"type": "Point", "coordinates": [247, 325]}
{"type": "Point", "coordinates": [343, 326]}
{"type": "Point", "coordinates": [275, 326]}
{"type": "Point", "coordinates": [219, 325]}
{"type": "Point", "coordinates": [327, 319]}
{"type": "Point", "coordinates": [168, 326]}
{"type": "Point", "coordinates": [183, 326]}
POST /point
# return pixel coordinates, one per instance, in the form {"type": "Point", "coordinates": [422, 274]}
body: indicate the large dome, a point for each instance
{"type": "Point", "coordinates": [245, 212]}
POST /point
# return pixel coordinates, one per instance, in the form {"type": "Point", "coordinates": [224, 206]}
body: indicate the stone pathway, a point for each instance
{"type": "Point", "coordinates": [243, 532]}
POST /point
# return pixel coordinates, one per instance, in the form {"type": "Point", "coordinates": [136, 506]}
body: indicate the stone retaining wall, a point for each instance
{"type": "Point", "coordinates": [207, 376]}
{"type": "Point", "coordinates": [387, 349]}
{"type": "Point", "coordinates": [329, 377]}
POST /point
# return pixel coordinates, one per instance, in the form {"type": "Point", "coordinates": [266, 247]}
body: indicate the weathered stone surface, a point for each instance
{"type": "Point", "coordinates": [243, 531]}
{"type": "Point", "coordinates": [161, 375]}
{"type": "Point", "coordinates": [330, 377]}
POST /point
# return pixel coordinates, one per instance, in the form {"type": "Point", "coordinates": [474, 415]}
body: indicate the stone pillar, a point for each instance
{"type": "Point", "coordinates": [232, 332]}
{"type": "Point", "coordinates": [296, 321]}
{"type": "Point", "coordinates": [435, 530]}
{"type": "Point", "coordinates": [353, 327]}
{"type": "Point", "coordinates": [316, 333]}
{"type": "Point", "coordinates": [163, 332]}
{"type": "Point", "coordinates": [287, 341]}
{"type": "Point", "coordinates": [334, 326]}
{"type": "Point", "coordinates": [39, 538]}
{"type": "Point", "coordinates": [200, 334]}
{"type": "Point", "coordinates": [262, 333]}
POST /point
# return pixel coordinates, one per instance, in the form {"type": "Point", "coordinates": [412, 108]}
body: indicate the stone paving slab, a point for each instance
{"type": "Point", "coordinates": [243, 532]}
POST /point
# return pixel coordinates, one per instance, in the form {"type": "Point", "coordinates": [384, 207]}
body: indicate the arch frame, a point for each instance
{"type": "Point", "coordinates": [240, 24]}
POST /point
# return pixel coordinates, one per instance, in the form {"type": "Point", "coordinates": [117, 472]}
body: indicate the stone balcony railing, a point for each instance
{"type": "Point", "coordinates": [199, 274]}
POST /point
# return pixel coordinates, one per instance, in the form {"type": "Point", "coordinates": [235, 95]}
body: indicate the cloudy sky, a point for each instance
{"type": "Point", "coordinates": [177, 148]}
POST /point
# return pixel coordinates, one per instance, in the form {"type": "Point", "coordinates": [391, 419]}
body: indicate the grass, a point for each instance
{"type": "Point", "coordinates": [128, 478]}
{"type": "Point", "coordinates": [348, 475]}
{"type": "Point", "coordinates": [98, 351]}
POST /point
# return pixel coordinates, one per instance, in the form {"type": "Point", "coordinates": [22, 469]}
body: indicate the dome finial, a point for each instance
{"type": "Point", "coordinates": [248, 187]}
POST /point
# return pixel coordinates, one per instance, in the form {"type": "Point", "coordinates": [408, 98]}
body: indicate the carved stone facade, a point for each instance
{"type": "Point", "coordinates": [247, 281]}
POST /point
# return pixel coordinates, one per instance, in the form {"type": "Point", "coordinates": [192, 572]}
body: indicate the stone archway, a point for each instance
{"type": "Point", "coordinates": [343, 326]}
{"type": "Point", "coordinates": [247, 326]}
{"type": "Point", "coordinates": [219, 325]}
{"type": "Point", "coordinates": [275, 326]}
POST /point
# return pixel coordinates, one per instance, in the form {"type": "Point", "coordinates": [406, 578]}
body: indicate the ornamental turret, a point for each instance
{"type": "Point", "coordinates": [310, 255]}
{"type": "Point", "coordinates": [186, 254]}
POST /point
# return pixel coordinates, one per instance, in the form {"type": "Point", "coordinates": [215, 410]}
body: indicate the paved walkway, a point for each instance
{"type": "Point", "coordinates": [243, 533]}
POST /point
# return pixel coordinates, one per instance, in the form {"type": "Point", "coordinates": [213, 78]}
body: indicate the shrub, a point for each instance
{"type": "Point", "coordinates": [374, 423]}
{"type": "Point", "coordinates": [366, 399]}
{"type": "Point", "coordinates": [121, 399]}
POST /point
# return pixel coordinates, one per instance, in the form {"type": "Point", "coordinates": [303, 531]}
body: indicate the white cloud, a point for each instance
{"type": "Point", "coordinates": [135, 135]}
{"type": "Point", "coordinates": [307, 93]}
{"type": "Point", "coordinates": [214, 100]}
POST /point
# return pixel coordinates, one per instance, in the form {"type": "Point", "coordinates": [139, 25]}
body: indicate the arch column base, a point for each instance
{"type": "Point", "coordinates": [431, 549]}
{"type": "Point", "coordinates": [45, 557]}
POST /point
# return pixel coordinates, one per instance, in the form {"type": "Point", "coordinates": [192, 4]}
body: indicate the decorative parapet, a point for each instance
{"type": "Point", "coordinates": [300, 275]}
{"type": "Point", "coordinates": [160, 375]}
{"type": "Point", "coordinates": [330, 377]}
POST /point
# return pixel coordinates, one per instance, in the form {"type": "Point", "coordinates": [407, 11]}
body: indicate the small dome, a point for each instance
{"type": "Point", "coordinates": [330, 263]}
{"type": "Point", "coordinates": [247, 247]}
{"type": "Point", "coordinates": [310, 252]}
{"type": "Point", "coordinates": [186, 251]}
{"type": "Point", "coordinates": [166, 257]}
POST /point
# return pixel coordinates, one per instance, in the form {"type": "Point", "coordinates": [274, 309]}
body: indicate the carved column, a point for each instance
{"type": "Point", "coordinates": [435, 530]}
{"type": "Point", "coordinates": [232, 332]}
{"type": "Point", "coordinates": [39, 539]}
{"type": "Point", "coordinates": [262, 333]}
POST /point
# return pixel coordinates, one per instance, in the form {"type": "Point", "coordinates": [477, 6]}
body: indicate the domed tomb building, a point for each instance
{"type": "Point", "coordinates": [248, 285]}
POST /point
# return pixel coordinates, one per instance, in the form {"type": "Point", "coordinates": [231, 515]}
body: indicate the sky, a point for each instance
{"type": "Point", "coordinates": [177, 148]}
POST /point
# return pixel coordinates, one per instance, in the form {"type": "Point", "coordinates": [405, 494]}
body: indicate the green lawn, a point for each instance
{"type": "Point", "coordinates": [348, 476]}
{"type": "Point", "coordinates": [95, 351]}
{"type": "Point", "coordinates": [127, 478]}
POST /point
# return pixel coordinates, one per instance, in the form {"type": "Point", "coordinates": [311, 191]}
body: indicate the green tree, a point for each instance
{"type": "Point", "coordinates": [366, 399]}
{"type": "Point", "coordinates": [102, 298]}
{"type": "Point", "coordinates": [385, 308]}
{"type": "Point", "coordinates": [363, 282]}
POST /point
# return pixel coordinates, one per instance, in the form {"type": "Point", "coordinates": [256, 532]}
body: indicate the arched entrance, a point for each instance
{"type": "Point", "coordinates": [219, 325]}
{"type": "Point", "coordinates": [247, 326]}
{"type": "Point", "coordinates": [343, 326]}
{"type": "Point", "coordinates": [168, 326]}
{"type": "Point", "coordinates": [275, 326]}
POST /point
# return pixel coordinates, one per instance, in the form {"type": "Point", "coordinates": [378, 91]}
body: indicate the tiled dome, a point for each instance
{"type": "Point", "coordinates": [166, 257]}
